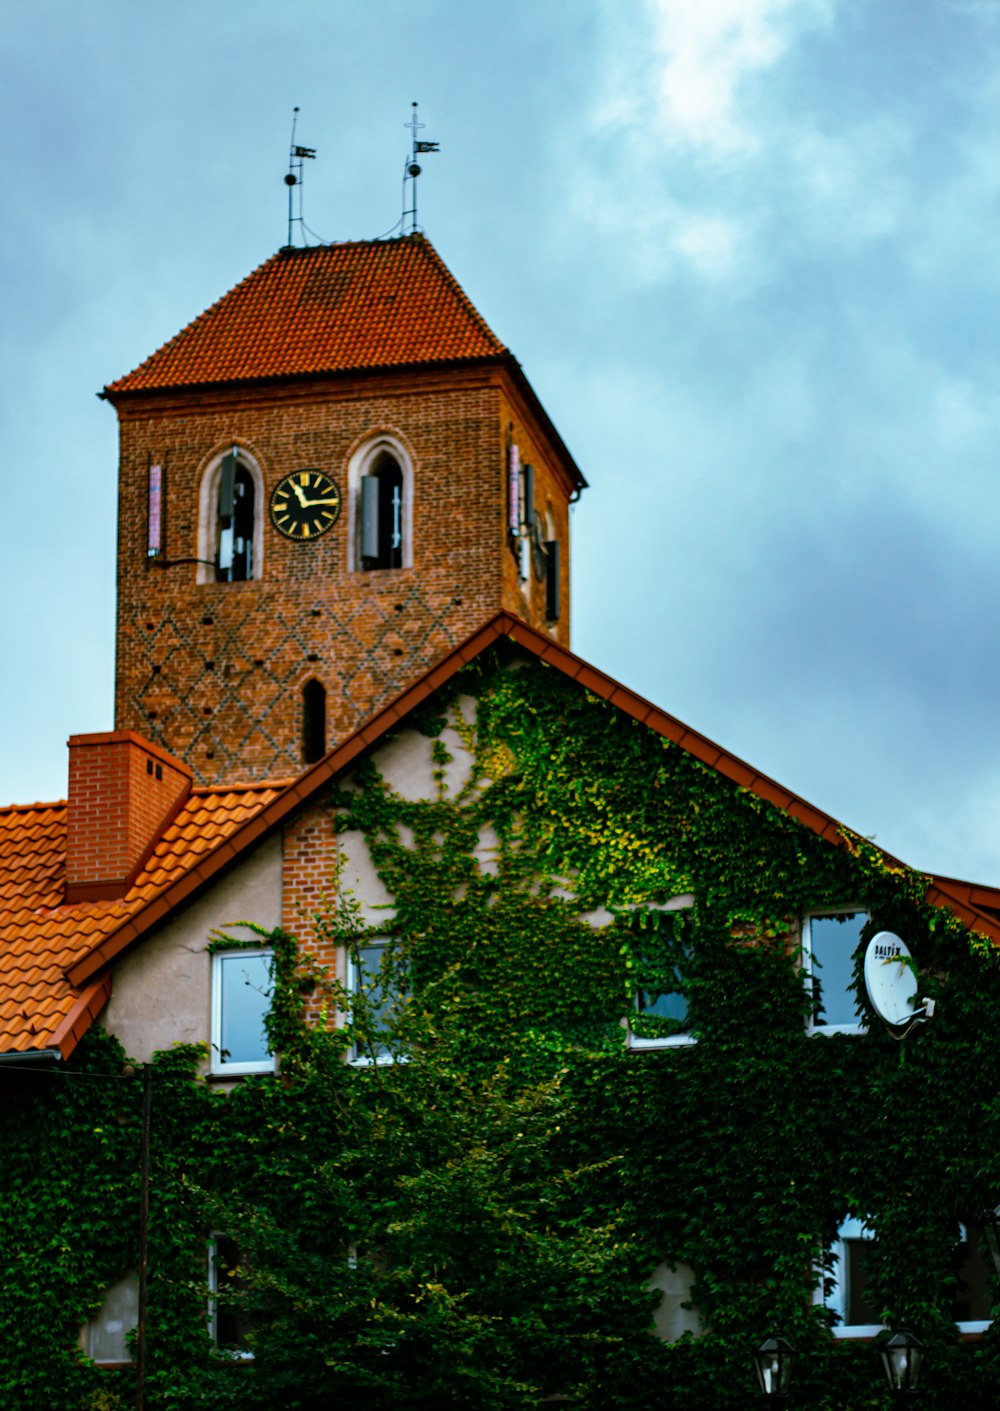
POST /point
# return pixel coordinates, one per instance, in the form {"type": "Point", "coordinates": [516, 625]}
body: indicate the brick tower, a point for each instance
{"type": "Point", "coordinates": [328, 479]}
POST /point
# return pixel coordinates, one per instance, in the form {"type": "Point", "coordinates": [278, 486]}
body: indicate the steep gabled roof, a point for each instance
{"type": "Point", "coordinates": [55, 959]}
{"type": "Point", "coordinates": [316, 779]}
{"type": "Point", "coordinates": [41, 936]}
{"type": "Point", "coordinates": [357, 306]}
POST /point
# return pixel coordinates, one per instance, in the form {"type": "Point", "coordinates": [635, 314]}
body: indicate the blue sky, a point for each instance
{"type": "Point", "coordinates": [746, 250]}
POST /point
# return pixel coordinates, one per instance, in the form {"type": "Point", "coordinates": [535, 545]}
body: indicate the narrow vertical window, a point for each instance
{"type": "Point", "coordinates": [514, 491]}
{"type": "Point", "coordinates": [226, 1287]}
{"type": "Point", "coordinates": [154, 542]}
{"type": "Point", "coordinates": [552, 570]}
{"type": "Point", "coordinates": [313, 721]}
{"type": "Point", "coordinates": [235, 522]}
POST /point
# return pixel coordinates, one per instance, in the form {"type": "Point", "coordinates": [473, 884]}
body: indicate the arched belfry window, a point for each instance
{"type": "Point", "coordinates": [380, 476]}
{"type": "Point", "coordinates": [235, 522]}
{"type": "Point", "coordinates": [230, 534]}
{"type": "Point", "coordinates": [313, 721]}
{"type": "Point", "coordinates": [382, 515]}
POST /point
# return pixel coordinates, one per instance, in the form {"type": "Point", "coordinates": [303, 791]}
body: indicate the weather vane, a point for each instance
{"type": "Point", "coordinates": [296, 156]}
{"type": "Point", "coordinates": [412, 171]}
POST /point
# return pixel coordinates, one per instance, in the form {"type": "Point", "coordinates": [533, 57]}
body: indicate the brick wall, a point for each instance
{"type": "Point", "coordinates": [308, 884]}
{"type": "Point", "coordinates": [214, 672]}
{"type": "Point", "coordinates": [122, 790]}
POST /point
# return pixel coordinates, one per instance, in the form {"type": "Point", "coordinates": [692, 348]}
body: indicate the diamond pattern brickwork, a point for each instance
{"type": "Point", "coordinates": [301, 365]}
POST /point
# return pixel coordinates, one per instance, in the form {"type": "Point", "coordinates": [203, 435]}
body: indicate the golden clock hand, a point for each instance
{"type": "Point", "coordinates": [310, 504]}
{"type": "Point", "coordinates": [299, 494]}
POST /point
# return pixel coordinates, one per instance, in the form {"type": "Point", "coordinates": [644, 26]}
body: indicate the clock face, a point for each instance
{"type": "Point", "coordinates": [305, 504]}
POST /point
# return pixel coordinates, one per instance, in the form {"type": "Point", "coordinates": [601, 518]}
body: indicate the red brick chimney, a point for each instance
{"type": "Point", "coordinates": [123, 791]}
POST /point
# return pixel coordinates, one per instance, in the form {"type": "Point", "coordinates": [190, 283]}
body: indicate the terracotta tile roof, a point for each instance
{"type": "Point", "coordinates": [54, 959]}
{"type": "Point", "coordinates": [40, 937]}
{"type": "Point", "coordinates": [311, 784]}
{"type": "Point", "coordinates": [328, 308]}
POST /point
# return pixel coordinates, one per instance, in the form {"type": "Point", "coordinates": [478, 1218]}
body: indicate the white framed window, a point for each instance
{"type": "Point", "coordinates": [830, 939]}
{"type": "Point", "coordinates": [375, 974]}
{"type": "Point", "coordinates": [226, 1323]}
{"type": "Point", "coordinates": [105, 1338]}
{"type": "Point", "coordinates": [231, 518]}
{"type": "Point", "coordinates": [662, 955]}
{"type": "Point", "coordinates": [241, 1002]}
{"type": "Point", "coordinates": [847, 1284]}
{"type": "Point", "coordinates": [380, 505]}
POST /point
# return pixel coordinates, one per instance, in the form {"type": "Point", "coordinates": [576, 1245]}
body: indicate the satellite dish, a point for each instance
{"type": "Point", "coordinates": [889, 978]}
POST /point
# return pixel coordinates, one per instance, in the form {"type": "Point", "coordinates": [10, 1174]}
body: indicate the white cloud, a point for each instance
{"type": "Point", "coordinates": [682, 68]}
{"type": "Point", "coordinates": [708, 49]}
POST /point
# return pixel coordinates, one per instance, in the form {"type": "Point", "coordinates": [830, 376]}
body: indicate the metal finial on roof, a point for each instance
{"type": "Point", "coordinates": [293, 179]}
{"type": "Point", "coordinates": [412, 170]}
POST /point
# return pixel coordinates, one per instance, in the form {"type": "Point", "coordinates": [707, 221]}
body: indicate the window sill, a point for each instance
{"type": "Point", "coordinates": [634, 1044]}
{"type": "Point", "coordinates": [239, 1070]}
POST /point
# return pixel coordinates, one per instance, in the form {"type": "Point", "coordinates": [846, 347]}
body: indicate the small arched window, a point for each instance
{"type": "Point", "coordinates": [313, 721]}
{"type": "Point", "coordinates": [235, 521]}
{"type": "Point", "coordinates": [382, 514]}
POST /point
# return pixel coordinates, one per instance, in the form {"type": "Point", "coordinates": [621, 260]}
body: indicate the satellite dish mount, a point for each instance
{"type": "Point", "coordinates": [891, 983]}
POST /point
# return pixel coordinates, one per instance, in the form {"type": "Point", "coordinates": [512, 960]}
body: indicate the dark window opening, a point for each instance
{"type": "Point", "coordinates": [382, 516]}
{"type": "Point", "coordinates": [313, 721]}
{"type": "Point", "coordinates": [972, 1297]}
{"type": "Point", "coordinates": [553, 604]}
{"type": "Point", "coordinates": [228, 1288]}
{"type": "Point", "coordinates": [859, 1311]}
{"type": "Point", "coordinates": [235, 523]}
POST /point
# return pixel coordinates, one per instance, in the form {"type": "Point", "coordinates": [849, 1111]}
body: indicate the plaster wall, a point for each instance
{"type": "Point", "coordinates": [161, 991]}
{"type": "Point", "coordinates": [406, 763]}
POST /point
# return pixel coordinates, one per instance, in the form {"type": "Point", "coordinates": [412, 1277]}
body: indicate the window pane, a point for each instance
{"type": "Point", "coordinates": [246, 1000]}
{"type": "Point", "coordinates": [833, 941]}
{"type": "Point", "coordinates": [104, 1338]}
{"type": "Point", "coordinates": [228, 1323]}
{"type": "Point", "coordinates": [972, 1300]}
{"type": "Point", "coordinates": [857, 1309]}
{"type": "Point", "coordinates": [383, 989]}
{"type": "Point", "coordinates": [663, 962]}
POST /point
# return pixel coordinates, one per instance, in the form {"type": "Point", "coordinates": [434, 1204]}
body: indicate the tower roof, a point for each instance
{"type": "Point", "coordinates": [356, 306]}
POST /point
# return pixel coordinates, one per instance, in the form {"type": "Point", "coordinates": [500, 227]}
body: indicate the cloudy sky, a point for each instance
{"type": "Point", "coordinates": [748, 252]}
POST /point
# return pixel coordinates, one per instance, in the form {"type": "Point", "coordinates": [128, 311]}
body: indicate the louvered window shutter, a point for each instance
{"type": "Point", "coordinates": [369, 516]}
{"type": "Point", "coordinates": [227, 489]}
{"type": "Point", "coordinates": [528, 493]}
{"type": "Point", "coordinates": [552, 563]}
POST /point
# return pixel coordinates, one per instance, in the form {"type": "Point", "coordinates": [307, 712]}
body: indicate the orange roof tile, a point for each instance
{"type": "Point", "coordinates": [317, 778]}
{"type": "Point", "coordinates": [327, 308]}
{"type": "Point", "coordinates": [54, 958]}
{"type": "Point", "coordinates": [40, 936]}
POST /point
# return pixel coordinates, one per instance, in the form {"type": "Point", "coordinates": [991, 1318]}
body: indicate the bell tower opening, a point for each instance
{"type": "Point", "coordinates": [382, 514]}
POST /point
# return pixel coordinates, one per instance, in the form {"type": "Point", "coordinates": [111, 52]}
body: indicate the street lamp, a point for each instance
{"type": "Point", "coordinates": [773, 1361]}
{"type": "Point", "coordinates": [901, 1357]}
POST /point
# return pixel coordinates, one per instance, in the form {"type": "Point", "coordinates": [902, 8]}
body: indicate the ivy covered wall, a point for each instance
{"type": "Point", "coordinates": [475, 1226]}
